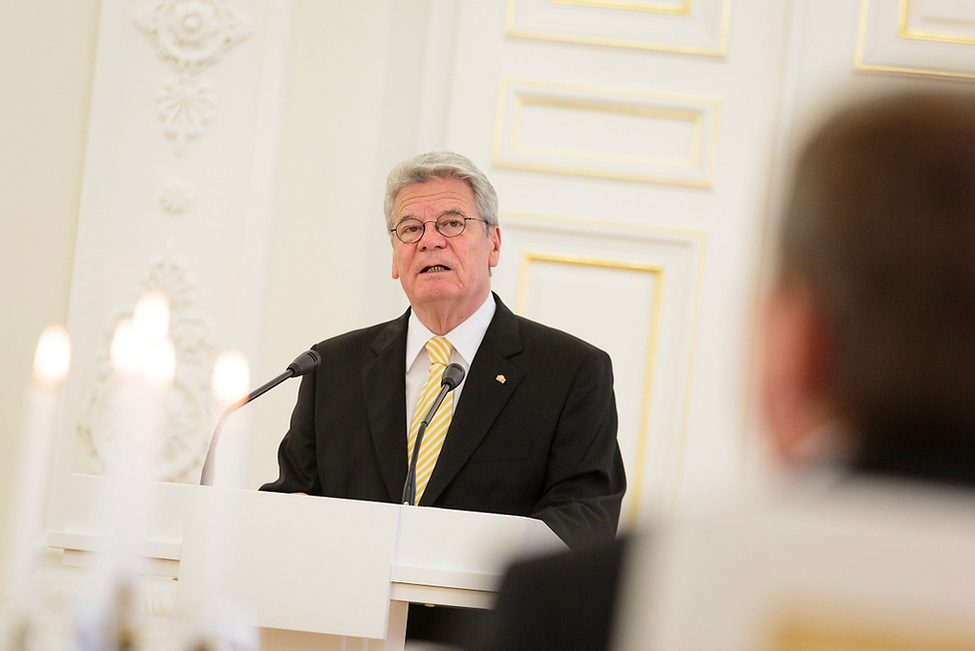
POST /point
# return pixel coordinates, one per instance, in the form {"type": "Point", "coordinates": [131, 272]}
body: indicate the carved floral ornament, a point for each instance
{"type": "Point", "coordinates": [182, 439]}
{"type": "Point", "coordinates": [176, 196]}
{"type": "Point", "coordinates": [190, 35]}
{"type": "Point", "coordinates": [185, 106]}
{"type": "Point", "coordinates": [193, 34]}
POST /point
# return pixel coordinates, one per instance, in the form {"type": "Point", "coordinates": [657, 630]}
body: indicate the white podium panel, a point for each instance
{"type": "Point", "coordinates": [314, 566]}
{"type": "Point", "coordinates": [303, 563]}
{"type": "Point", "coordinates": [455, 558]}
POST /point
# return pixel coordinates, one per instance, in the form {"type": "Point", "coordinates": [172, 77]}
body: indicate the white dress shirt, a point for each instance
{"type": "Point", "coordinates": [465, 339]}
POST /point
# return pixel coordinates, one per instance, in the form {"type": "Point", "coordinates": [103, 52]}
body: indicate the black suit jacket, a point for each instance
{"type": "Point", "coordinates": [533, 434]}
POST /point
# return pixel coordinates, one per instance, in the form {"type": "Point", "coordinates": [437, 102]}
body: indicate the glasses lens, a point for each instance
{"type": "Point", "coordinates": [409, 230]}
{"type": "Point", "coordinates": [451, 225]}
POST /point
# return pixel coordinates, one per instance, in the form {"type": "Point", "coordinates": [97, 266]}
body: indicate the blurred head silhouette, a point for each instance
{"type": "Point", "coordinates": [870, 324]}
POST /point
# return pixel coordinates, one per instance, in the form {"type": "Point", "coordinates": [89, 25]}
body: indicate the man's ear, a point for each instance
{"type": "Point", "coordinates": [796, 370]}
{"type": "Point", "coordinates": [494, 234]}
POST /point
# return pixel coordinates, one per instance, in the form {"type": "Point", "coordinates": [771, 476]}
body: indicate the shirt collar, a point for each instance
{"type": "Point", "coordinates": [465, 338]}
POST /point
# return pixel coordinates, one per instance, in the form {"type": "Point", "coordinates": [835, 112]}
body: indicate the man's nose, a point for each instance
{"type": "Point", "coordinates": [431, 237]}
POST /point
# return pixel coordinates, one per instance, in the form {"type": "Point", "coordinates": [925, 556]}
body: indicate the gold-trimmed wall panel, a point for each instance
{"type": "Point", "coordinates": [688, 27]}
{"type": "Point", "coordinates": [894, 37]}
{"type": "Point", "coordinates": [676, 7]}
{"type": "Point", "coordinates": [530, 303]}
{"type": "Point", "coordinates": [937, 26]}
{"type": "Point", "coordinates": [634, 292]}
{"type": "Point", "coordinates": [560, 128]}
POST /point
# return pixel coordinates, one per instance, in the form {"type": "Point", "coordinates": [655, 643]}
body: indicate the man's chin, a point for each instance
{"type": "Point", "coordinates": [433, 291]}
{"type": "Point", "coordinates": [433, 298]}
{"type": "Point", "coordinates": [436, 281]}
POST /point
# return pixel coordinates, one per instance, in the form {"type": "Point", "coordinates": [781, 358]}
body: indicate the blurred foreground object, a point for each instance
{"type": "Point", "coordinates": [52, 360]}
{"type": "Point", "coordinates": [870, 325]}
{"type": "Point", "coordinates": [868, 565]}
{"type": "Point", "coordinates": [869, 368]}
{"type": "Point", "coordinates": [868, 359]}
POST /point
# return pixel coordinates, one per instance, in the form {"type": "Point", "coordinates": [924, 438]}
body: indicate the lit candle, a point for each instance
{"type": "Point", "coordinates": [52, 360]}
{"type": "Point", "coordinates": [143, 359]}
{"type": "Point", "coordinates": [231, 378]}
{"type": "Point", "coordinates": [144, 362]}
{"type": "Point", "coordinates": [230, 383]}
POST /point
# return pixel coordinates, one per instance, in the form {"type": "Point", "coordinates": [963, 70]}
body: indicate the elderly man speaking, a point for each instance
{"type": "Point", "coordinates": [531, 429]}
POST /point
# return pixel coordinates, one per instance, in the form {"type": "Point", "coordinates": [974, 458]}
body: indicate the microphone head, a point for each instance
{"type": "Point", "coordinates": [304, 363]}
{"type": "Point", "coordinates": [453, 376]}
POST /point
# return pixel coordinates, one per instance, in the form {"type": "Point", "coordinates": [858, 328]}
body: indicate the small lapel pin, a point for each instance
{"type": "Point", "coordinates": [501, 379]}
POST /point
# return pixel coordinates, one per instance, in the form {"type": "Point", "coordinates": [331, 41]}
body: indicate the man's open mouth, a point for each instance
{"type": "Point", "coordinates": [434, 268]}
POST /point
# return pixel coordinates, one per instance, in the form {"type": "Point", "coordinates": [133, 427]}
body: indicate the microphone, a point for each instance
{"type": "Point", "coordinates": [303, 363]}
{"type": "Point", "coordinates": [452, 377]}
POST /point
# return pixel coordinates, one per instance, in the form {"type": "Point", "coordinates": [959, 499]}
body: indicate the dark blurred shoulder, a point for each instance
{"type": "Point", "coordinates": [564, 601]}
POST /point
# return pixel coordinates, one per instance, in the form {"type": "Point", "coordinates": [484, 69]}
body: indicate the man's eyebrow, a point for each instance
{"type": "Point", "coordinates": [449, 211]}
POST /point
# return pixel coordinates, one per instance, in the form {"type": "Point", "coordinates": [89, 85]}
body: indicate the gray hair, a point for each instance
{"type": "Point", "coordinates": [442, 165]}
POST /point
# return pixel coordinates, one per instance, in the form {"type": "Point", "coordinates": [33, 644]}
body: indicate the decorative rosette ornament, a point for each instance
{"type": "Point", "coordinates": [185, 106]}
{"type": "Point", "coordinates": [192, 34]}
{"type": "Point", "coordinates": [176, 196]}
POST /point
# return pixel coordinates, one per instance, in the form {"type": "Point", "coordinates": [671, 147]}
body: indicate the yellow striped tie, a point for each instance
{"type": "Point", "coordinates": [439, 349]}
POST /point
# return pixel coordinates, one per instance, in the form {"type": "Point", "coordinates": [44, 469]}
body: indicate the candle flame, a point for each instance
{"type": "Point", "coordinates": [231, 377]}
{"type": "Point", "coordinates": [128, 351]}
{"type": "Point", "coordinates": [53, 356]}
{"type": "Point", "coordinates": [151, 316]}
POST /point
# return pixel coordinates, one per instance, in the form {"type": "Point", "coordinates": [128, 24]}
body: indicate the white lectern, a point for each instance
{"type": "Point", "coordinates": [316, 570]}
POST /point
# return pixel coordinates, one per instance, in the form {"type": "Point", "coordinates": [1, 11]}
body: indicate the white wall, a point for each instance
{"type": "Point", "coordinates": [47, 58]}
{"type": "Point", "coordinates": [353, 91]}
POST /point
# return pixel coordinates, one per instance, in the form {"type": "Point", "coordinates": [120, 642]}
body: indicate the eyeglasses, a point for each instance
{"type": "Point", "coordinates": [410, 230]}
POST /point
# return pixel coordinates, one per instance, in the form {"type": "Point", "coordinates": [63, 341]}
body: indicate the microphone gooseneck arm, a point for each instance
{"type": "Point", "coordinates": [452, 377]}
{"type": "Point", "coordinates": [302, 364]}
{"type": "Point", "coordinates": [409, 489]}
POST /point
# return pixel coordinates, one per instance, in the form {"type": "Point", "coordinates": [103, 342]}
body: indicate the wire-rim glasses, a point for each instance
{"type": "Point", "coordinates": [410, 230]}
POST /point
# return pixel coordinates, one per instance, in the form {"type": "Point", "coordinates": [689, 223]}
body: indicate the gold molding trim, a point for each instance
{"type": "Point", "coordinates": [606, 107]}
{"type": "Point", "coordinates": [659, 179]}
{"type": "Point", "coordinates": [701, 237]}
{"type": "Point", "coordinates": [718, 51]}
{"type": "Point", "coordinates": [604, 224]}
{"type": "Point", "coordinates": [858, 63]}
{"type": "Point", "coordinates": [629, 5]}
{"type": "Point", "coordinates": [906, 32]}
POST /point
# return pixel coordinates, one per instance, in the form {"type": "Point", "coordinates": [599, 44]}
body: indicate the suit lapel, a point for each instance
{"type": "Point", "coordinates": [482, 400]}
{"type": "Point", "coordinates": [383, 385]}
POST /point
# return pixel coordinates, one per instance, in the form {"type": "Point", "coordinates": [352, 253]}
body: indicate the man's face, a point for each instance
{"type": "Point", "coordinates": [438, 271]}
